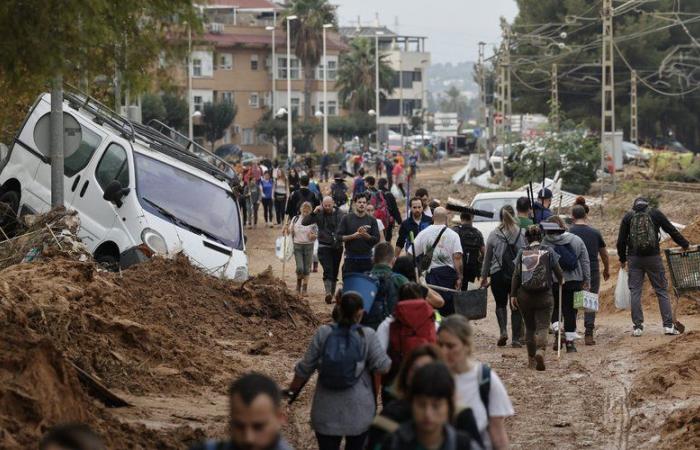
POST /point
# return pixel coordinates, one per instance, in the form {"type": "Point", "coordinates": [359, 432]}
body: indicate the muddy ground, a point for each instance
{"type": "Point", "coordinates": [168, 339]}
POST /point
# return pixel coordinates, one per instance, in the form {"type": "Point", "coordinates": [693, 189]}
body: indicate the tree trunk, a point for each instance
{"type": "Point", "coordinates": [56, 142]}
{"type": "Point", "coordinates": [308, 84]}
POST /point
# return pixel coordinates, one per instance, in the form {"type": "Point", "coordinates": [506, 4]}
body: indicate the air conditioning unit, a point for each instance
{"type": "Point", "coordinates": [216, 28]}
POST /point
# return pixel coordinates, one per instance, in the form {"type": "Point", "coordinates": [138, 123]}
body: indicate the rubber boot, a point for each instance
{"type": "Point", "coordinates": [314, 267]}
{"type": "Point", "coordinates": [328, 287]}
{"type": "Point", "coordinates": [539, 360]}
{"type": "Point", "coordinates": [304, 286]}
{"type": "Point", "coordinates": [531, 362]}
{"type": "Point", "coordinates": [299, 277]}
{"type": "Point", "coordinates": [517, 325]}
{"type": "Point", "coordinates": [502, 317]}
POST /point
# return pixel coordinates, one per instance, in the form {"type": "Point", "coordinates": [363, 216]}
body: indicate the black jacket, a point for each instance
{"type": "Point", "coordinates": [298, 197]}
{"type": "Point", "coordinates": [409, 225]}
{"type": "Point", "coordinates": [660, 222]}
{"type": "Point", "coordinates": [393, 206]}
{"type": "Point", "coordinates": [405, 439]}
{"type": "Point", "coordinates": [327, 225]}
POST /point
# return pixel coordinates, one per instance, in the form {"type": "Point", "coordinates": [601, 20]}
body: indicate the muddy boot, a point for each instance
{"type": "Point", "coordinates": [539, 360]}
{"type": "Point", "coordinates": [314, 267]}
{"type": "Point", "coordinates": [531, 362]}
{"type": "Point", "coordinates": [502, 317]}
{"type": "Point", "coordinates": [517, 325]}
{"type": "Point", "coordinates": [328, 287]}
{"type": "Point", "coordinates": [304, 286]}
{"type": "Point", "coordinates": [588, 337]}
{"type": "Point", "coordinates": [299, 278]}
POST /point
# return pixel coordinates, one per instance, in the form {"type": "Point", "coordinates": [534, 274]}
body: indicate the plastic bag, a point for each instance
{"type": "Point", "coordinates": [396, 191]}
{"type": "Point", "coordinates": [284, 253]}
{"type": "Point", "coordinates": [622, 291]}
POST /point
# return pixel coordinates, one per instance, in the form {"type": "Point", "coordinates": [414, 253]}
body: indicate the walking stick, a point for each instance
{"type": "Point", "coordinates": [561, 199]}
{"type": "Point", "coordinates": [559, 328]}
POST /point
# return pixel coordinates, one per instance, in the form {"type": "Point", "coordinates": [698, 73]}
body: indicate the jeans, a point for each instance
{"type": "Point", "coordinates": [252, 212]}
{"type": "Point", "coordinates": [653, 267]}
{"type": "Point", "coordinates": [280, 203]}
{"type": "Point", "coordinates": [536, 309]}
{"type": "Point", "coordinates": [330, 257]}
{"type": "Point", "coordinates": [325, 173]}
{"type": "Point", "coordinates": [267, 209]}
{"type": "Point", "coordinates": [567, 304]}
{"type": "Point", "coordinates": [303, 255]}
{"type": "Point", "coordinates": [589, 317]}
{"type": "Point", "coordinates": [500, 288]}
{"type": "Point", "coordinates": [357, 265]}
{"type": "Point", "coordinates": [333, 442]}
{"type": "Point", "coordinates": [444, 276]}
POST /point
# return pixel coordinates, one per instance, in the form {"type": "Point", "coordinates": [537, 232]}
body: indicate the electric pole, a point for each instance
{"type": "Point", "coordinates": [505, 68]}
{"type": "Point", "coordinates": [483, 119]}
{"type": "Point", "coordinates": [633, 109]}
{"type": "Point", "coordinates": [607, 125]}
{"type": "Point", "coordinates": [554, 107]}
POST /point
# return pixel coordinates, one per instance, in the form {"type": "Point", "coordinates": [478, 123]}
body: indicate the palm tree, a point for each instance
{"type": "Point", "coordinates": [307, 38]}
{"type": "Point", "coordinates": [356, 74]}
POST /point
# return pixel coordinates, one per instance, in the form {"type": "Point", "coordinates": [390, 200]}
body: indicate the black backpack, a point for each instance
{"type": "Point", "coordinates": [339, 193]}
{"type": "Point", "coordinates": [510, 252]}
{"type": "Point", "coordinates": [471, 240]}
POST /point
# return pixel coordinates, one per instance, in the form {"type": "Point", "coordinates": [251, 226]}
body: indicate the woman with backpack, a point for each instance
{"type": "Point", "coordinates": [531, 292]}
{"type": "Point", "coordinates": [502, 247]}
{"type": "Point", "coordinates": [345, 355]}
{"type": "Point", "coordinates": [304, 237]}
{"type": "Point", "coordinates": [477, 386]}
{"type": "Point", "coordinates": [574, 262]}
{"type": "Point", "coordinates": [431, 396]}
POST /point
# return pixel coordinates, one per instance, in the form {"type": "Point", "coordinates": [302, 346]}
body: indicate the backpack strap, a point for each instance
{"type": "Point", "coordinates": [484, 380]}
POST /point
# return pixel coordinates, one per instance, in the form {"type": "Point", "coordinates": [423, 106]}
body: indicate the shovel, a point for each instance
{"type": "Point", "coordinates": [560, 325]}
{"type": "Point", "coordinates": [676, 323]}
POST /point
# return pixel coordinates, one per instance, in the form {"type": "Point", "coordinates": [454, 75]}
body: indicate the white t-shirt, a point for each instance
{"type": "Point", "coordinates": [384, 331]}
{"type": "Point", "coordinates": [448, 245]}
{"type": "Point", "coordinates": [427, 211]}
{"type": "Point", "coordinates": [467, 385]}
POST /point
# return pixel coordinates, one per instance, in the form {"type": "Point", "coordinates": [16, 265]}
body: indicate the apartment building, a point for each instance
{"type": "Point", "coordinates": [232, 61]}
{"type": "Point", "coordinates": [407, 56]}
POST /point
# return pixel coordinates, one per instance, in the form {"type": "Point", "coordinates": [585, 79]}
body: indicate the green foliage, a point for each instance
{"type": "Point", "coordinates": [576, 156]}
{"type": "Point", "coordinates": [152, 108]}
{"type": "Point", "coordinates": [176, 111]}
{"type": "Point", "coordinates": [689, 174]}
{"type": "Point", "coordinates": [304, 132]}
{"type": "Point", "coordinates": [356, 76]}
{"type": "Point", "coordinates": [345, 128]}
{"type": "Point", "coordinates": [216, 118]}
{"type": "Point", "coordinates": [272, 128]}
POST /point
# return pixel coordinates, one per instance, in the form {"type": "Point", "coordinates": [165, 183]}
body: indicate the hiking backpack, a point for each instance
{"type": "Point", "coordinates": [471, 240]}
{"type": "Point", "coordinates": [339, 192]}
{"type": "Point", "coordinates": [642, 236]}
{"type": "Point", "coordinates": [535, 270]}
{"type": "Point", "coordinates": [381, 209]}
{"type": "Point", "coordinates": [358, 186]}
{"type": "Point", "coordinates": [384, 301]}
{"type": "Point", "coordinates": [568, 260]}
{"type": "Point", "coordinates": [413, 326]}
{"type": "Point", "coordinates": [343, 353]}
{"type": "Point", "coordinates": [510, 252]}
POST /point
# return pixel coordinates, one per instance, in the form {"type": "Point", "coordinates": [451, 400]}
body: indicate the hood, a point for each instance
{"type": "Point", "coordinates": [640, 204]}
{"type": "Point", "coordinates": [559, 239]}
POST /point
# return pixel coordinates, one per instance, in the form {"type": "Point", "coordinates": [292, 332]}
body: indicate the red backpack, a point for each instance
{"type": "Point", "coordinates": [413, 326]}
{"type": "Point", "coordinates": [381, 209]}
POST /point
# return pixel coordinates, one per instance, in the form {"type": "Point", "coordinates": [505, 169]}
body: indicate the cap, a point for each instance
{"type": "Point", "coordinates": [544, 193]}
{"type": "Point", "coordinates": [552, 227]}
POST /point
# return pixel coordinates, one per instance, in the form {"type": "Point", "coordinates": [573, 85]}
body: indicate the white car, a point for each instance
{"type": "Point", "coordinates": [492, 202]}
{"type": "Point", "coordinates": [136, 190]}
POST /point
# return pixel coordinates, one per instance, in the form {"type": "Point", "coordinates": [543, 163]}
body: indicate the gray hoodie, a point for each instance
{"type": "Point", "coordinates": [583, 270]}
{"type": "Point", "coordinates": [496, 244]}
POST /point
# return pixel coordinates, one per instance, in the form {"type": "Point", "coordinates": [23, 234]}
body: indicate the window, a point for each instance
{"type": "Point", "coordinates": [225, 61]}
{"type": "Point", "coordinates": [198, 103]}
{"type": "Point", "coordinates": [248, 136]}
{"type": "Point", "coordinates": [332, 107]}
{"type": "Point", "coordinates": [253, 62]}
{"type": "Point", "coordinates": [418, 76]}
{"type": "Point", "coordinates": [76, 161]}
{"type": "Point", "coordinates": [226, 97]}
{"type": "Point", "coordinates": [254, 100]}
{"type": "Point", "coordinates": [282, 68]}
{"type": "Point", "coordinates": [113, 166]}
{"type": "Point", "coordinates": [296, 103]}
{"type": "Point", "coordinates": [196, 67]}
{"type": "Point", "coordinates": [332, 70]}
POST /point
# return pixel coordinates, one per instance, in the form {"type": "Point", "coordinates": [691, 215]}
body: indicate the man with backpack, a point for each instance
{"type": "Point", "coordinates": [392, 206]}
{"type": "Point", "coordinates": [298, 197]}
{"type": "Point", "coordinates": [330, 249]}
{"type": "Point", "coordinates": [638, 243]}
{"type": "Point", "coordinates": [378, 199]}
{"type": "Point", "coordinates": [540, 209]}
{"type": "Point", "coordinates": [574, 262]}
{"type": "Point", "coordinates": [473, 249]}
{"type": "Point", "coordinates": [339, 190]}
{"type": "Point", "coordinates": [388, 285]}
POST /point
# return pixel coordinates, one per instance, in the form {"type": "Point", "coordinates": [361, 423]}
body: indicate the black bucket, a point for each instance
{"type": "Point", "coordinates": [471, 304]}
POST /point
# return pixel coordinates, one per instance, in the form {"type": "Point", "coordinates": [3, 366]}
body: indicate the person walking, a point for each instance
{"type": "Point", "coordinates": [358, 183]}
{"type": "Point", "coordinates": [416, 223]}
{"type": "Point", "coordinates": [574, 262]}
{"type": "Point", "coordinates": [301, 195]}
{"type": "Point", "coordinates": [280, 195]}
{"type": "Point", "coordinates": [392, 206]}
{"type": "Point", "coordinates": [441, 252]}
{"type": "Point", "coordinates": [256, 416]}
{"type": "Point", "coordinates": [398, 176]}
{"type": "Point", "coordinates": [345, 355]}
{"type": "Point", "coordinates": [246, 205]}
{"type": "Point", "coordinates": [478, 387]}
{"type": "Point", "coordinates": [524, 211]}
{"type": "Point", "coordinates": [359, 233]}
{"type": "Point", "coordinates": [380, 225]}
{"type": "Point", "coordinates": [502, 248]}
{"type": "Point", "coordinates": [473, 249]}
{"type": "Point", "coordinates": [253, 201]}
{"type": "Point", "coordinates": [294, 180]}
{"type": "Point", "coordinates": [431, 397]}
{"type": "Point", "coordinates": [389, 169]}
{"type": "Point", "coordinates": [422, 194]}
{"type": "Point", "coordinates": [541, 211]}
{"type": "Point", "coordinates": [339, 191]}
{"type": "Point", "coordinates": [638, 245]}
{"type": "Point", "coordinates": [595, 245]}
{"type": "Point", "coordinates": [325, 163]}
{"type": "Point", "coordinates": [267, 186]}
{"type": "Point", "coordinates": [303, 237]}
{"type": "Point", "coordinates": [330, 249]}
{"type": "Point", "coordinates": [531, 292]}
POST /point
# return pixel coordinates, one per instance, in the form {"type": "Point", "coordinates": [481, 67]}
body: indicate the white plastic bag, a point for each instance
{"type": "Point", "coordinates": [284, 253]}
{"type": "Point", "coordinates": [396, 191]}
{"type": "Point", "coordinates": [622, 291]}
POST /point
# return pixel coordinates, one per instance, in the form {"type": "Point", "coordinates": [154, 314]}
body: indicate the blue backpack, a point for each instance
{"type": "Point", "coordinates": [568, 260]}
{"type": "Point", "coordinates": [343, 352]}
{"type": "Point", "coordinates": [359, 186]}
{"type": "Point", "coordinates": [383, 303]}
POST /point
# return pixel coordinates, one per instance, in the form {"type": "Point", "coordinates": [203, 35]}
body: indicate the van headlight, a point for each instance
{"type": "Point", "coordinates": [154, 241]}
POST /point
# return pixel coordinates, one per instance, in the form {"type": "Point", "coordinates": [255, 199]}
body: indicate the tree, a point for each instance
{"type": "Point", "coordinates": [455, 102]}
{"type": "Point", "coordinates": [304, 132]}
{"type": "Point", "coordinates": [176, 111]}
{"type": "Point", "coordinates": [272, 128]}
{"type": "Point", "coordinates": [306, 36]}
{"type": "Point", "coordinates": [152, 108]}
{"type": "Point", "coordinates": [216, 118]}
{"type": "Point", "coordinates": [356, 72]}
{"type": "Point", "coordinates": [345, 128]}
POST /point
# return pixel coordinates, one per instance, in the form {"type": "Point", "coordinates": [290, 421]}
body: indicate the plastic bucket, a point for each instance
{"type": "Point", "coordinates": [471, 304]}
{"type": "Point", "coordinates": [364, 285]}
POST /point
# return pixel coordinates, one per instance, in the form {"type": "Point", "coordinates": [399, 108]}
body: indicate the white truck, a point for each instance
{"type": "Point", "coordinates": [138, 190]}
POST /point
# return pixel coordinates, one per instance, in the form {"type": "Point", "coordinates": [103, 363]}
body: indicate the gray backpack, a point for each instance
{"type": "Point", "coordinates": [535, 269]}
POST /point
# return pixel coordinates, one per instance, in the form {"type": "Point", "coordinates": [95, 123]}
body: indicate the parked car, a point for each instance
{"type": "Point", "coordinates": [137, 191]}
{"type": "Point", "coordinates": [668, 144]}
{"type": "Point", "coordinates": [631, 153]}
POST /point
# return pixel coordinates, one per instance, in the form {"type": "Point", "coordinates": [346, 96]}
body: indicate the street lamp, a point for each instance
{"type": "Point", "coordinates": [376, 81]}
{"type": "Point", "coordinates": [372, 112]}
{"type": "Point", "coordinates": [290, 151]}
{"type": "Point", "coordinates": [325, 89]}
{"type": "Point", "coordinates": [274, 73]}
{"type": "Point", "coordinates": [190, 106]}
{"type": "Point", "coordinates": [280, 113]}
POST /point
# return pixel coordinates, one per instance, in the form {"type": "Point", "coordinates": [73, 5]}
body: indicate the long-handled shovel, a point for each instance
{"type": "Point", "coordinates": [560, 324]}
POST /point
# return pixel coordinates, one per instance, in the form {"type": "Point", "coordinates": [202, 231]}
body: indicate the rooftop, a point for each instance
{"type": "Point", "coordinates": [262, 40]}
{"type": "Point", "coordinates": [354, 31]}
{"type": "Point", "coordinates": [240, 4]}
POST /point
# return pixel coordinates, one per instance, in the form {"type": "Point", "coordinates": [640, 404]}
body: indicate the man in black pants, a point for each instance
{"type": "Point", "coordinates": [393, 207]}
{"type": "Point", "coordinates": [360, 233]}
{"type": "Point", "coordinates": [303, 194]}
{"type": "Point", "coordinates": [330, 248]}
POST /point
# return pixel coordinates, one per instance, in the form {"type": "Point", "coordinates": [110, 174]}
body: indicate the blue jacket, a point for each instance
{"type": "Point", "coordinates": [540, 212]}
{"type": "Point", "coordinates": [409, 225]}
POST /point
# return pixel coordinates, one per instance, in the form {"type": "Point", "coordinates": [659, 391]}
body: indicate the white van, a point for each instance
{"type": "Point", "coordinates": [138, 192]}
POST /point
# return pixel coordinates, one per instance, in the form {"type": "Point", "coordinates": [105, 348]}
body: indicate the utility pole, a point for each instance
{"type": "Point", "coordinates": [607, 119]}
{"type": "Point", "coordinates": [483, 117]}
{"type": "Point", "coordinates": [506, 85]}
{"type": "Point", "coordinates": [634, 138]}
{"type": "Point", "coordinates": [554, 107]}
{"type": "Point", "coordinates": [499, 99]}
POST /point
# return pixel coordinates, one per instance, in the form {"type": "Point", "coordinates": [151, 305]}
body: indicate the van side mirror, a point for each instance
{"type": "Point", "coordinates": [114, 192]}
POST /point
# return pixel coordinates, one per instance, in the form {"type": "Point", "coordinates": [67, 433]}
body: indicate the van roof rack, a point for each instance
{"type": "Point", "coordinates": [103, 114]}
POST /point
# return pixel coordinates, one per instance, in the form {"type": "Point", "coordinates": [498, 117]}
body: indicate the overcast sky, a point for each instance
{"type": "Point", "coordinates": [453, 27]}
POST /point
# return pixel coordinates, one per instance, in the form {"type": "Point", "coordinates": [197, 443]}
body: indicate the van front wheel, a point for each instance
{"type": "Point", "coordinates": [108, 262]}
{"type": "Point", "coordinates": [9, 209]}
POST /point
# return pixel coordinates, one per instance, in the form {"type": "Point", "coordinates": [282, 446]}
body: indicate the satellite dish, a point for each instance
{"type": "Point", "coordinates": [72, 134]}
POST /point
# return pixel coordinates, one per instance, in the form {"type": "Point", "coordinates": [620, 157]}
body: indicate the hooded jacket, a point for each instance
{"type": "Point", "coordinates": [405, 439]}
{"type": "Point", "coordinates": [327, 225]}
{"type": "Point", "coordinates": [583, 268]}
{"type": "Point", "coordinates": [660, 222]}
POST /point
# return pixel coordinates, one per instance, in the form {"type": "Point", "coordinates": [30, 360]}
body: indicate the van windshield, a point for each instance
{"type": "Point", "coordinates": [493, 205]}
{"type": "Point", "coordinates": [187, 201]}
